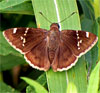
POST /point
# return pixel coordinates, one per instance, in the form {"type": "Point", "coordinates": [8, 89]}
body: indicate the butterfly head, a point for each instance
{"type": "Point", "coordinates": [55, 25]}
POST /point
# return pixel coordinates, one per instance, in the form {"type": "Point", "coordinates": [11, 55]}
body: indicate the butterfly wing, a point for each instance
{"type": "Point", "coordinates": [38, 56]}
{"type": "Point", "coordinates": [32, 43]}
{"type": "Point", "coordinates": [24, 39]}
{"type": "Point", "coordinates": [79, 41]}
{"type": "Point", "coordinates": [73, 44]}
{"type": "Point", "coordinates": [64, 58]}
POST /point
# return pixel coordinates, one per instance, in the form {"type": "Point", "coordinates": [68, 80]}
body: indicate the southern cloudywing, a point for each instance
{"type": "Point", "coordinates": [43, 49]}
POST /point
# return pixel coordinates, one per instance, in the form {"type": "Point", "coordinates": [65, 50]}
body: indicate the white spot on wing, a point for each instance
{"type": "Point", "coordinates": [14, 30]}
{"type": "Point", "coordinates": [78, 44]}
{"type": "Point", "coordinates": [87, 34]}
{"type": "Point", "coordinates": [25, 34]}
{"type": "Point", "coordinates": [77, 37]}
{"type": "Point", "coordinates": [21, 38]}
{"type": "Point", "coordinates": [24, 40]}
{"type": "Point", "coordinates": [23, 45]}
{"type": "Point", "coordinates": [80, 41]}
{"type": "Point", "coordinates": [78, 48]}
{"type": "Point", "coordinates": [26, 31]}
{"type": "Point", "coordinates": [77, 34]}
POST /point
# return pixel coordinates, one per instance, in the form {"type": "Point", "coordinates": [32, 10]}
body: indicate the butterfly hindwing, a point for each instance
{"type": "Point", "coordinates": [38, 56]}
{"type": "Point", "coordinates": [64, 58]}
{"type": "Point", "coordinates": [24, 39]}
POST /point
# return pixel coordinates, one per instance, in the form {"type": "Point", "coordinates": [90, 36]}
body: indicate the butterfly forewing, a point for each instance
{"type": "Point", "coordinates": [78, 41]}
{"type": "Point", "coordinates": [24, 39]}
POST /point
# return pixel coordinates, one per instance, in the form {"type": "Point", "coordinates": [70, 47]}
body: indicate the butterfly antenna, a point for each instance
{"type": "Point", "coordinates": [67, 17]}
{"type": "Point", "coordinates": [45, 17]}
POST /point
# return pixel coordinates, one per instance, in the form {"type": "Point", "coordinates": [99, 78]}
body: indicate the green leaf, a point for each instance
{"type": "Point", "coordinates": [99, 91]}
{"type": "Point", "coordinates": [38, 88]}
{"type": "Point", "coordinates": [1, 76]}
{"type": "Point", "coordinates": [9, 61]}
{"type": "Point", "coordinates": [77, 75]}
{"type": "Point", "coordinates": [57, 81]}
{"type": "Point", "coordinates": [94, 80]}
{"type": "Point", "coordinates": [87, 9]}
{"type": "Point", "coordinates": [23, 8]}
{"type": "Point", "coordinates": [4, 88]}
{"type": "Point", "coordinates": [42, 79]}
{"type": "Point", "coordinates": [71, 88]}
{"type": "Point", "coordinates": [5, 48]}
{"type": "Point", "coordinates": [96, 7]}
{"type": "Point", "coordinates": [30, 89]}
{"type": "Point", "coordinates": [10, 3]}
{"type": "Point", "coordinates": [99, 38]}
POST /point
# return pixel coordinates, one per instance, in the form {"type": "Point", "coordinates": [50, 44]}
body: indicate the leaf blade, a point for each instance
{"type": "Point", "coordinates": [37, 86]}
{"type": "Point", "coordinates": [4, 88]}
{"type": "Point", "coordinates": [23, 8]}
{"type": "Point", "coordinates": [94, 80]}
{"type": "Point", "coordinates": [9, 3]}
{"type": "Point", "coordinates": [48, 9]}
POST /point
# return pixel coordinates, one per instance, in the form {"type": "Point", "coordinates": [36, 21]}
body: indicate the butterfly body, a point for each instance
{"type": "Point", "coordinates": [53, 40]}
{"type": "Point", "coordinates": [43, 49]}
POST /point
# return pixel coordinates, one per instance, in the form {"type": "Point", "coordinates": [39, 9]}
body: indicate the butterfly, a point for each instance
{"type": "Point", "coordinates": [43, 49]}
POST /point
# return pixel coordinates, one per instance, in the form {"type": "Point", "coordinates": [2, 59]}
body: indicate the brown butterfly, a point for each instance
{"type": "Point", "coordinates": [43, 49]}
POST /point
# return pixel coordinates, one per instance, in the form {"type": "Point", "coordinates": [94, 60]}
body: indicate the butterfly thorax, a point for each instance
{"type": "Point", "coordinates": [53, 42]}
